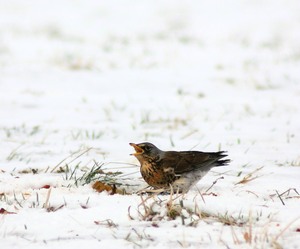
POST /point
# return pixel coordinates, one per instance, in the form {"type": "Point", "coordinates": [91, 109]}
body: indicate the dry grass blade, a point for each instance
{"type": "Point", "coordinates": [214, 183]}
{"type": "Point", "coordinates": [284, 229]}
{"type": "Point", "coordinates": [249, 177]}
{"type": "Point", "coordinates": [131, 165]}
{"type": "Point", "coordinates": [85, 151]}
{"type": "Point", "coordinates": [248, 235]}
{"type": "Point", "coordinates": [107, 222]}
{"type": "Point", "coordinates": [149, 213]}
{"type": "Point", "coordinates": [234, 236]}
{"type": "Point", "coordinates": [13, 152]}
{"type": "Point", "coordinates": [46, 204]}
{"type": "Point", "coordinates": [129, 215]}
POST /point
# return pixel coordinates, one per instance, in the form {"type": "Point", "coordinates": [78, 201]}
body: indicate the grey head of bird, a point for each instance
{"type": "Point", "coordinates": [146, 152]}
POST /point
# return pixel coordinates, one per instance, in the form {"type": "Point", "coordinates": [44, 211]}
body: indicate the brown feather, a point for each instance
{"type": "Point", "coordinates": [186, 161]}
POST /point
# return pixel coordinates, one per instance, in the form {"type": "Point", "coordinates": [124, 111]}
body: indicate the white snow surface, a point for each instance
{"type": "Point", "coordinates": [184, 75]}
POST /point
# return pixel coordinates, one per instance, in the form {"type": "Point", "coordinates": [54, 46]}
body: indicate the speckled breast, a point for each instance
{"type": "Point", "coordinates": [156, 176]}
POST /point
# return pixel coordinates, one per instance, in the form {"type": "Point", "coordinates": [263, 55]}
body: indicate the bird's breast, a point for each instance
{"type": "Point", "coordinates": [155, 176]}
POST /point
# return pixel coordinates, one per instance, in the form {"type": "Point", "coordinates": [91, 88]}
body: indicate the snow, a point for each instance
{"type": "Point", "coordinates": [183, 75]}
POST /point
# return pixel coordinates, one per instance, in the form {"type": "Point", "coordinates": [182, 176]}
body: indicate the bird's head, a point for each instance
{"type": "Point", "coordinates": [146, 151]}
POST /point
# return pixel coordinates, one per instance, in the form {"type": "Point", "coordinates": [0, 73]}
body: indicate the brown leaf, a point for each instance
{"type": "Point", "coordinates": [4, 211]}
{"type": "Point", "coordinates": [46, 186]}
{"type": "Point", "coordinates": [247, 237]}
{"type": "Point", "coordinates": [100, 187]}
{"type": "Point", "coordinates": [111, 189]}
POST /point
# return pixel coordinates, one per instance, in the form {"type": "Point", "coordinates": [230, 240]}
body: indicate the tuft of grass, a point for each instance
{"type": "Point", "coordinates": [80, 176]}
{"type": "Point", "coordinates": [250, 176]}
{"type": "Point", "coordinates": [145, 119]}
{"type": "Point", "coordinates": [230, 81]}
{"type": "Point", "coordinates": [293, 163]}
{"type": "Point", "coordinates": [21, 131]}
{"type": "Point", "coordinates": [154, 209]}
{"type": "Point", "coordinates": [86, 134]}
{"type": "Point", "coordinates": [14, 154]}
{"type": "Point", "coordinates": [136, 237]}
{"type": "Point", "coordinates": [76, 155]}
{"type": "Point", "coordinates": [229, 220]}
{"type": "Point", "coordinates": [258, 237]}
{"type": "Point", "coordinates": [108, 223]}
{"type": "Point", "coordinates": [29, 171]}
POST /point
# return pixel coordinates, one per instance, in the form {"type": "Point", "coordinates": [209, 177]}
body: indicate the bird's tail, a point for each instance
{"type": "Point", "coordinates": [219, 155]}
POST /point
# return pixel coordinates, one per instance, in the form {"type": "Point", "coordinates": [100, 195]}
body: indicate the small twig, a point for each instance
{"type": "Point", "coordinates": [15, 197]}
{"type": "Point", "coordinates": [37, 199]}
{"type": "Point", "coordinates": [200, 195]}
{"type": "Point", "coordinates": [249, 192]}
{"type": "Point", "coordinates": [129, 215]}
{"type": "Point", "coordinates": [279, 196]}
{"type": "Point", "coordinates": [287, 192]}
{"type": "Point", "coordinates": [144, 205]}
{"type": "Point", "coordinates": [46, 204]}
{"type": "Point", "coordinates": [214, 183]}
{"type": "Point", "coordinates": [181, 215]}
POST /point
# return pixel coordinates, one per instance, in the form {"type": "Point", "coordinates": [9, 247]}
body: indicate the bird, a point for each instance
{"type": "Point", "coordinates": [176, 171]}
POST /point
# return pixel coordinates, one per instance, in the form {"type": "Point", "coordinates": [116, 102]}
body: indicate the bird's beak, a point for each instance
{"type": "Point", "coordinates": [138, 150]}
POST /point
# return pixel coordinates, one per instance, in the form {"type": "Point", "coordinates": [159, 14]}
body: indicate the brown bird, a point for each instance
{"type": "Point", "coordinates": [177, 170]}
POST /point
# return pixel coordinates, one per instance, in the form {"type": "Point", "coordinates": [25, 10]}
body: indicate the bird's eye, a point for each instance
{"type": "Point", "coordinates": [147, 148]}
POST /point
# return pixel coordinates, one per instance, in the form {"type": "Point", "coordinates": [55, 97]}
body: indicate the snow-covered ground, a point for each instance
{"type": "Point", "coordinates": [79, 80]}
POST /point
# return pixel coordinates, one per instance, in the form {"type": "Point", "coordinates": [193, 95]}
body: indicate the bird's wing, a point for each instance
{"type": "Point", "coordinates": [186, 161]}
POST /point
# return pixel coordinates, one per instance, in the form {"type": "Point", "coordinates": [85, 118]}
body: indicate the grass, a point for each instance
{"type": "Point", "coordinates": [86, 134]}
{"type": "Point", "coordinates": [155, 210]}
{"type": "Point", "coordinates": [293, 163]}
{"type": "Point", "coordinates": [21, 130]}
{"type": "Point", "coordinates": [14, 154]}
{"type": "Point", "coordinates": [250, 176]}
{"type": "Point", "coordinates": [78, 175]}
{"type": "Point", "coordinates": [245, 229]}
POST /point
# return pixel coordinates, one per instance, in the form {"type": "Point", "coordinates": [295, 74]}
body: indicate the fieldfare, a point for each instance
{"type": "Point", "coordinates": [177, 170]}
